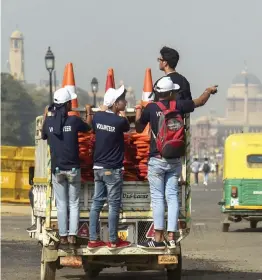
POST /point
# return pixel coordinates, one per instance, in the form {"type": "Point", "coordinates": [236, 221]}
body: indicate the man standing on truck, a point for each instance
{"type": "Point", "coordinates": [163, 174]}
{"type": "Point", "coordinates": [168, 61]}
{"type": "Point", "coordinates": [109, 128]}
{"type": "Point", "coordinates": [61, 132]}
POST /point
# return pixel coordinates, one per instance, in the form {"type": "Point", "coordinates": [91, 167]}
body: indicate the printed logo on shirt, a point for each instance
{"type": "Point", "coordinates": [159, 113]}
{"type": "Point", "coordinates": [65, 128]}
{"type": "Point", "coordinates": [105, 127]}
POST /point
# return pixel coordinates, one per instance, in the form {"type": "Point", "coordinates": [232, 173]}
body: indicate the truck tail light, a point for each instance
{"type": "Point", "coordinates": [234, 192]}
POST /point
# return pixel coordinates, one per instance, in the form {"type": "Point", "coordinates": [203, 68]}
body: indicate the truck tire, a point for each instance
{"type": "Point", "coordinates": [176, 274]}
{"type": "Point", "coordinates": [48, 269]}
{"type": "Point", "coordinates": [253, 224]}
{"type": "Point", "coordinates": [225, 227]}
{"type": "Point", "coordinates": [91, 274]}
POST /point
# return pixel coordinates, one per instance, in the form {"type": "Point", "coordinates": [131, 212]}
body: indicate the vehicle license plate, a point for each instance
{"type": "Point", "coordinates": [167, 259]}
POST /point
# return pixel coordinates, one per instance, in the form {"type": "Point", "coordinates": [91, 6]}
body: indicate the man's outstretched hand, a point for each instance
{"type": "Point", "coordinates": [212, 89]}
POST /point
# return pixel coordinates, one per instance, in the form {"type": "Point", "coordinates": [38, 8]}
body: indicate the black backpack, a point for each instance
{"type": "Point", "coordinates": [206, 168]}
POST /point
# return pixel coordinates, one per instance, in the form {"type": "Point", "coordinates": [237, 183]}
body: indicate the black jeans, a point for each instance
{"type": "Point", "coordinates": [196, 177]}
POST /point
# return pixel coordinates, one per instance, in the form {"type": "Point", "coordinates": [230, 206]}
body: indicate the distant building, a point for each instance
{"type": "Point", "coordinates": [16, 56]}
{"type": "Point", "coordinates": [243, 113]}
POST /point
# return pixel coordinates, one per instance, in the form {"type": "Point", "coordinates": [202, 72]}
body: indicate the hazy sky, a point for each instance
{"type": "Point", "coordinates": [214, 37]}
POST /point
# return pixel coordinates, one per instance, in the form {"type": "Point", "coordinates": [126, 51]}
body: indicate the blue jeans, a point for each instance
{"type": "Point", "coordinates": [108, 185]}
{"type": "Point", "coordinates": [163, 175]}
{"type": "Point", "coordinates": [205, 177]}
{"type": "Point", "coordinates": [67, 188]}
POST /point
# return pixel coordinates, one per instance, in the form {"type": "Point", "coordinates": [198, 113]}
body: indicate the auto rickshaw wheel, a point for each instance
{"type": "Point", "coordinates": [176, 274]}
{"type": "Point", "coordinates": [225, 227]}
{"type": "Point", "coordinates": [253, 224]}
{"type": "Point", "coordinates": [48, 269]}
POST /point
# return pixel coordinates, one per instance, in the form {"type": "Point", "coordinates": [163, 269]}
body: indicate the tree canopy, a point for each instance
{"type": "Point", "coordinates": [18, 113]}
{"type": "Point", "coordinates": [21, 103]}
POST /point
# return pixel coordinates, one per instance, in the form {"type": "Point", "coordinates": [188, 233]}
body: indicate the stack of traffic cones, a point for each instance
{"type": "Point", "coordinates": [85, 140]}
{"type": "Point", "coordinates": [142, 140]}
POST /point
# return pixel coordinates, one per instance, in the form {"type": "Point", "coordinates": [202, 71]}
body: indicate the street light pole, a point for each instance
{"type": "Point", "coordinates": [50, 66]}
{"type": "Point", "coordinates": [94, 87]}
{"type": "Point", "coordinates": [50, 88]}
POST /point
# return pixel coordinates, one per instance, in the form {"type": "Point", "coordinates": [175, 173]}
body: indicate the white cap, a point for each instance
{"type": "Point", "coordinates": [112, 94]}
{"type": "Point", "coordinates": [165, 84]}
{"type": "Point", "coordinates": [63, 95]}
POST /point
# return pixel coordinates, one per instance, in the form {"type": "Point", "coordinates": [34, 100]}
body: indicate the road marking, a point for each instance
{"type": "Point", "coordinates": [199, 224]}
{"type": "Point", "coordinates": [206, 190]}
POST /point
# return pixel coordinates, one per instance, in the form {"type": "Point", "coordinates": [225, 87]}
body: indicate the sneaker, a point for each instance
{"type": "Point", "coordinates": [96, 244]}
{"type": "Point", "coordinates": [171, 244]}
{"type": "Point", "coordinates": [32, 228]}
{"type": "Point", "coordinates": [118, 245]}
{"type": "Point", "coordinates": [152, 244]}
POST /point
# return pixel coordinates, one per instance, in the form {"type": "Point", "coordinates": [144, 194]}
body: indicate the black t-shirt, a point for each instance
{"type": "Point", "coordinates": [64, 148]}
{"type": "Point", "coordinates": [109, 146]}
{"type": "Point", "coordinates": [151, 115]}
{"type": "Point", "coordinates": [184, 92]}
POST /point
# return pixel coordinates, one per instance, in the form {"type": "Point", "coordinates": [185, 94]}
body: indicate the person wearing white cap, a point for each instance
{"type": "Point", "coordinates": [61, 132]}
{"type": "Point", "coordinates": [164, 173]}
{"type": "Point", "coordinates": [109, 128]}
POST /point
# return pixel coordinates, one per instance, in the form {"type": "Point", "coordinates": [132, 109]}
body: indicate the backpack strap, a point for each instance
{"type": "Point", "coordinates": [161, 106]}
{"type": "Point", "coordinates": [172, 105]}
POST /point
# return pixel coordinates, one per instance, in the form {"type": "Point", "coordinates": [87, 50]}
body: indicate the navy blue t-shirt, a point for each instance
{"type": "Point", "coordinates": [64, 148]}
{"type": "Point", "coordinates": [109, 146]}
{"type": "Point", "coordinates": [151, 115]}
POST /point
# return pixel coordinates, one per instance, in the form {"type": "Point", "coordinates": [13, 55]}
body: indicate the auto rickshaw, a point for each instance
{"type": "Point", "coordinates": [242, 179]}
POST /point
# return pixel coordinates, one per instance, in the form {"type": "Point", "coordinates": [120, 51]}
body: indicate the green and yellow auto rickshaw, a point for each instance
{"type": "Point", "coordinates": [242, 178]}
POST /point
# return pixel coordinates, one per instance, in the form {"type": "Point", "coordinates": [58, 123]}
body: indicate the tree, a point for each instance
{"type": "Point", "coordinates": [18, 113]}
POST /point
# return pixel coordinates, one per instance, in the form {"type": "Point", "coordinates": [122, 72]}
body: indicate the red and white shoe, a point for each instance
{"type": "Point", "coordinates": [118, 245]}
{"type": "Point", "coordinates": [96, 244]}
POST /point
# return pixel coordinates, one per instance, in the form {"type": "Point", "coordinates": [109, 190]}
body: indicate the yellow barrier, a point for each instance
{"type": "Point", "coordinates": [15, 163]}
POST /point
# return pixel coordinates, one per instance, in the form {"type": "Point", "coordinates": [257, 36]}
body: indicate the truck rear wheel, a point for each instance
{"type": "Point", "coordinates": [91, 272]}
{"type": "Point", "coordinates": [176, 274]}
{"type": "Point", "coordinates": [48, 269]}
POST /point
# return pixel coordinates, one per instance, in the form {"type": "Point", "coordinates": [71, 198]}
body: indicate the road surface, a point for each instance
{"type": "Point", "coordinates": [208, 254]}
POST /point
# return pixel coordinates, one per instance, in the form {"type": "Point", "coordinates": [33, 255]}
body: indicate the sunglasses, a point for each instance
{"type": "Point", "coordinates": [160, 59]}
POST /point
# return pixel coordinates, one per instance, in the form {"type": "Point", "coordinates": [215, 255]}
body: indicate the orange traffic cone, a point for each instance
{"type": "Point", "coordinates": [111, 71]}
{"type": "Point", "coordinates": [148, 87]}
{"type": "Point", "coordinates": [110, 80]}
{"type": "Point", "coordinates": [69, 82]}
{"type": "Point", "coordinates": [65, 76]}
